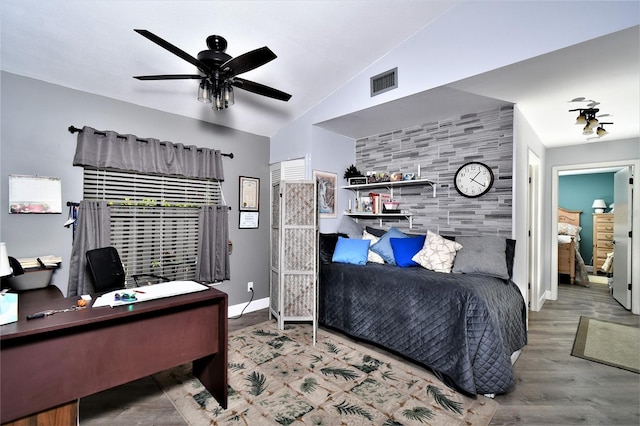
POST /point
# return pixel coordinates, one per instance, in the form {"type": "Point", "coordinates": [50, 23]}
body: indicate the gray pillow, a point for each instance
{"type": "Point", "coordinates": [484, 255]}
{"type": "Point", "coordinates": [350, 227]}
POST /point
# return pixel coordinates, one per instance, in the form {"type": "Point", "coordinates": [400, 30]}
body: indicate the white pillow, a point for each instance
{"type": "Point", "coordinates": [372, 256]}
{"type": "Point", "coordinates": [437, 254]}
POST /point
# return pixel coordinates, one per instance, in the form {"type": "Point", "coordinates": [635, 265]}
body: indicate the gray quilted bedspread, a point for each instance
{"type": "Point", "coordinates": [463, 326]}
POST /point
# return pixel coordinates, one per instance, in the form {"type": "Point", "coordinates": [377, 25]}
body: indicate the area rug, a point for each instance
{"type": "Point", "coordinates": [280, 377]}
{"type": "Point", "coordinates": [609, 343]}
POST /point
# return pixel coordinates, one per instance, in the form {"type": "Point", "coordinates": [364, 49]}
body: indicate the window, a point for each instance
{"type": "Point", "coordinates": [154, 219]}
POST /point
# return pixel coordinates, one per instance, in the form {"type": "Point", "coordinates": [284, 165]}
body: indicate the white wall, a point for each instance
{"type": "Point", "coordinates": [525, 139]}
{"type": "Point", "coordinates": [332, 153]}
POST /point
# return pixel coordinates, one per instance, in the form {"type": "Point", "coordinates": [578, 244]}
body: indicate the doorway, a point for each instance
{"type": "Point", "coordinates": [633, 246]}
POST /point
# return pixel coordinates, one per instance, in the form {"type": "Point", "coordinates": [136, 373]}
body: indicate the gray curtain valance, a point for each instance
{"type": "Point", "coordinates": [108, 149]}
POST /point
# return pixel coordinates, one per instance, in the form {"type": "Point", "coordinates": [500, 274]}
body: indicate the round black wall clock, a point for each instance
{"type": "Point", "coordinates": [473, 179]}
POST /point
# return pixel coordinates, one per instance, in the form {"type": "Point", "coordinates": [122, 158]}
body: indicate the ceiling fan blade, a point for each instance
{"type": "Point", "coordinates": [260, 89]}
{"type": "Point", "coordinates": [175, 50]}
{"type": "Point", "coordinates": [248, 61]}
{"type": "Point", "coordinates": [169, 77]}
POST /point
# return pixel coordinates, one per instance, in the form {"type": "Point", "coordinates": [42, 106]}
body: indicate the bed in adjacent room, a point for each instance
{"type": "Point", "coordinates": [570, 262]}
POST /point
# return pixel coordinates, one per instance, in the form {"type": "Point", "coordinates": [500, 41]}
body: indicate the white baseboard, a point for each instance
{"type": "Point", "coordinates": [255, 305]}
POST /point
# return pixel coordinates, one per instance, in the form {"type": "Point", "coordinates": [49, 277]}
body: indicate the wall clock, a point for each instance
{"type": "Point", "coordinates": [473, 179]}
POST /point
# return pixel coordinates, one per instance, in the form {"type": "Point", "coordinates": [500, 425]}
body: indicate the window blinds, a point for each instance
{"type": "Point", "coordinates": [154, 219]}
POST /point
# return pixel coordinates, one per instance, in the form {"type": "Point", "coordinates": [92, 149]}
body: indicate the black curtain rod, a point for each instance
{"type": "Point", "coordinates": [73, 129]}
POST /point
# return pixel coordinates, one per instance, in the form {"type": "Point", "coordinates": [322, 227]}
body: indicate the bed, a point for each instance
{"type": "Point", "coordinates": [463, 326]}
{"type": "Point", "coordinates": [570, 261]}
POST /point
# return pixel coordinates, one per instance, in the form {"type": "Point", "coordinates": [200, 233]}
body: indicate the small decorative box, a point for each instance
{"type": "Point", "coordinates": [360, 180]}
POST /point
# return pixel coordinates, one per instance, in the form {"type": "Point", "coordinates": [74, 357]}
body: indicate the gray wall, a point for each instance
{"type": "Point", "coordinates": [35, 141]}
{"type": "Point", "coordinates": [440, 148]}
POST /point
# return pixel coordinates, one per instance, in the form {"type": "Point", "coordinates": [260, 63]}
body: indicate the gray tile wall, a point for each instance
{"type": "Point", "coordinates": [440, 148]}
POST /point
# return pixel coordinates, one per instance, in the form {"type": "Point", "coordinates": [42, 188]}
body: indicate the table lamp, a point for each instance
{"type": "Point", "coordinates": [8, 302]}
{"type": "Point", "coordinates": [5, 268]}
{"type": "Point", "coordinates": [599, 205]}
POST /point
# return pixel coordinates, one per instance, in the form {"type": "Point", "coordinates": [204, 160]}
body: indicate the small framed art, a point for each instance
{"type": "Point", "coordinates": [249, 194]}
{"type": "Point", "coordinates": [327, 185]}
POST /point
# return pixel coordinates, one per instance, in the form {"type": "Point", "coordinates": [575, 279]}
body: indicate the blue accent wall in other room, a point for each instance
{"type": "Point", "coordinates": [577, 192]}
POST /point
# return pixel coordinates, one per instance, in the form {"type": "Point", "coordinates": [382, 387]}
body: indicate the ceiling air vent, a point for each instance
{"type": "Point", "coordinates": [384, 82]}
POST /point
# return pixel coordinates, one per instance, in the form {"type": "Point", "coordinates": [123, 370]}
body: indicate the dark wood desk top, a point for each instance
{"type": "Point", "coordinates": [82, 317]}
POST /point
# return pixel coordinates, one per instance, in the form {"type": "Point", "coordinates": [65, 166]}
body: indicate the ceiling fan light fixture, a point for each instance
{"type": "Point", "coordinates": [229, 98]}
{"type": "Point", "coordinates": [601, 132]}
{"type": "Point", "coordinates": [218, 71]}
{"type": "Point", "coordinates": [204, 92]}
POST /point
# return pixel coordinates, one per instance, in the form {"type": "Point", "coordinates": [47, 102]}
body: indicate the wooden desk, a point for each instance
{"type": "Point", "coordinates": [57, 359]}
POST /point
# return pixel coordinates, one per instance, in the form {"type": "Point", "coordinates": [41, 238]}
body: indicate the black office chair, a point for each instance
{"type": "Point", "coordinates": [107, 271]}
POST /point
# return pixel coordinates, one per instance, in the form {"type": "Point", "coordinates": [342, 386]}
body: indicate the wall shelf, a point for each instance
{"type": "Point", "coordinates": [381, 216]}
{"type": "Point", "coordinates": [389, 187]}
{"type": "Point", "coordinates": [392, 184]}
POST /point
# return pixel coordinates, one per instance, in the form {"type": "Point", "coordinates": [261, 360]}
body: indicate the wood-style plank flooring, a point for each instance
{"type": "Point", "coordinates": [553, 387]}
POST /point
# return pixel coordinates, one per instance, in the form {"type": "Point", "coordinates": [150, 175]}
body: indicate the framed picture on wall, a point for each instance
{"type": "Point", "coordinates": [249, 220]}
{"type": "Point", "coordinates": [35, 194]}
{"type": "Point", "coordinates": [249, 194]}
{"type": "Point", "coordinates": [327, 187]}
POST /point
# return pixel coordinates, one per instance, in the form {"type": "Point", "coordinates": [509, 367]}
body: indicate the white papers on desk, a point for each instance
{"type": "Point", "coordinates": [149, 292]}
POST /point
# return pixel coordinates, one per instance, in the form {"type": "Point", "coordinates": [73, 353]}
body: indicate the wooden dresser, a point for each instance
{"type": "Point", "coordinates": [602, 239]}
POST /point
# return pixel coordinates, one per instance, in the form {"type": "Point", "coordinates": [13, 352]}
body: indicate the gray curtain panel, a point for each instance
{"type": "Point", "coordinates": [108, 149]}
{"type": "Point", "coordinates": [213, 248]}
{"type": "Point", "coordinates": [92, 232]}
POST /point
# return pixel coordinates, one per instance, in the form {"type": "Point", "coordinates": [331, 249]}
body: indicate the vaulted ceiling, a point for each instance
{"type": "Point", "coordinates": [321, 45]}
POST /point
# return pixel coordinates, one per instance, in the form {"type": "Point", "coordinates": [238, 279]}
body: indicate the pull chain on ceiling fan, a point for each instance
{"type": "Point", "coordinates": [219, 71]}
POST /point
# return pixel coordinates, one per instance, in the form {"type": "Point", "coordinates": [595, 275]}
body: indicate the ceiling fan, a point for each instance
{"type": "Point", "coordinates": [219, 71]}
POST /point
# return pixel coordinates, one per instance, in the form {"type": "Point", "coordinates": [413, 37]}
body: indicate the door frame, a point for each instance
{"type": "Point", "coordinates": [534, 270]}
{"type": "Point", "coordinates": [635, 225]}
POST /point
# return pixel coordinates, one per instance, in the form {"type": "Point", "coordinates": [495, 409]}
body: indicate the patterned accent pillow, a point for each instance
{"type": "Point", "coordinates": [372, 257]}
{"type": "Point", "coordinates": [437, 254]}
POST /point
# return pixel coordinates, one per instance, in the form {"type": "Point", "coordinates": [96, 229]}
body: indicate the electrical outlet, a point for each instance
{"type": "Point", "coordinates": [250, 286]}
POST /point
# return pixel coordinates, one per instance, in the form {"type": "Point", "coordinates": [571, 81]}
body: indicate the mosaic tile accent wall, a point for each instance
{"type": "Point", "coordinates": [440, 148]}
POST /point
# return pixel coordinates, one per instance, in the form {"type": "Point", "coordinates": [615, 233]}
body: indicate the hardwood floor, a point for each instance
{"type": "Point", "coordinates": [556, 388]}
{"type": "Point", "coordinates": [553, 387]}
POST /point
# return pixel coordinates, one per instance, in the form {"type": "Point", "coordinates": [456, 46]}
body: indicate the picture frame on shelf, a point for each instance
{"type": "Point", "coordinates": [327, 194]}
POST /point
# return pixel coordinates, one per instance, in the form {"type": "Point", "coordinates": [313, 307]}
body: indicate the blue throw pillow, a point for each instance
{"type": "Point", "coordinates": [405, 248]}
{"type": "Point", "coordinates": [383, 246]}
{"type": "Point", "coordinates": [350, 250]}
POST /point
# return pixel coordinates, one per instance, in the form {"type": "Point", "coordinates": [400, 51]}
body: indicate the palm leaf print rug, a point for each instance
{"type": "Point", "coordinates": [278, 377]}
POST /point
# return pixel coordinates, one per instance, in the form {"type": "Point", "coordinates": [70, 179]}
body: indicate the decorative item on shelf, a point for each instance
{"type": "Point", "coordinates": [359, 180]}
{"type": "Point", "coordinates": [408, 176]}
{"type": "Point", "coordinates": [599, 205]}
{"type": "Point", "coordinates": [364, 205]}
{"type": "Point", "coordinates": [391, 207]}
{"type": "Point", "coordinates": [382, 177]}
{"type": "Point", "coordinates": [395, 177]}
{"type": "Point", "coordinates": [352, 171]}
